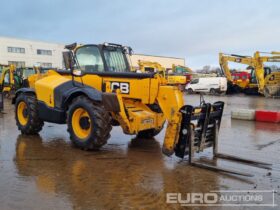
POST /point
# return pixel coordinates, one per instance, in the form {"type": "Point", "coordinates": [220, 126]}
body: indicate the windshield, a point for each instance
{"type": "Point", "coordinates": [89, 59]}
{"type": "Point", "coordinates": [115, 60]}
{"type": "Point", "coordinates": [27, 73]}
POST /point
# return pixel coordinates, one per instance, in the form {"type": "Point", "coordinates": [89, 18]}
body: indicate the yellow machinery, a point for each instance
{"type": "Point", "coordinates": [99, 91]}
{"type": "Point", "coordinates": [172, 79]}
{"type": "Point", "coordinates": [183, 70]}
{"type": "Point", "coordinates": [7, 80]}
{"type": "Point", "coordinates": [12, 78]}
{"type": "Point", "coordinates": [238, 85]}
{"type": "Point", "coordinates": [262, 79]}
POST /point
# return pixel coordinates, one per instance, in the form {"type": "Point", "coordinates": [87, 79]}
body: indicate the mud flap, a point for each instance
{"type": "Point", "coordinates": [200, 126]}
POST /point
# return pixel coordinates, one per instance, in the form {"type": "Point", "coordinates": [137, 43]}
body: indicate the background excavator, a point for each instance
{"type": "Point", "coordinates": [262, 79]}
{"type": "Point", "coordinates": [183, 70]}
{"type": "Point", "coordinates": [172, 78]}
{"type": "Point", "coordinates": [100, 91]}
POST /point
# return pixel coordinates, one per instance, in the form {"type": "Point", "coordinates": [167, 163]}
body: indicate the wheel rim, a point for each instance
{"type": "Point", "coordinates": [22, 113]}
{"type": "Point", "coordinates": [81, 123]}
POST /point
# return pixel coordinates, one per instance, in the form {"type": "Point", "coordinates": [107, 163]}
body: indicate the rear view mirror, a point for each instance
{"type": "Point", "coordinates": [68, 60]}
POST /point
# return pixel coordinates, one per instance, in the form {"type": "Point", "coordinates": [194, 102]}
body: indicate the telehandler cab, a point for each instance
{"type": "Point", "coordinates": [99, 91]}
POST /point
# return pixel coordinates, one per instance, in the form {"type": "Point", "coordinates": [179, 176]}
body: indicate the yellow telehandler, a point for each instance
{"type": "Point", "coordinates": [99, 91]}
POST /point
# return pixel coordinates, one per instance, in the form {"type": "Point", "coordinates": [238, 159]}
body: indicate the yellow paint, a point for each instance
{"type": "Point", "coordinates": [144, 66]}
{"type": "Point", "coordinates": [45, 87]}
{"type": "Point", "coordinates": [170, 100]}
{"type": "Point", "coordinates": [80, 132]}
{"type": "Point", "coordinates": [21, 108]}
{"type": "Point", "coordinates": [257, 62]}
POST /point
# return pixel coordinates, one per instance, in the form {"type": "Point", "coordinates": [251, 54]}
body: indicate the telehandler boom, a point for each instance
{"type": "Point", "coordinates": [99, 91]}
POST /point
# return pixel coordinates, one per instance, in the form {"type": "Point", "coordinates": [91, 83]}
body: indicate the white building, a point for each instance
{"type": "Point", "coordinates": [23, 52]}
{"type": "Point", "coordinates": [162, 60]}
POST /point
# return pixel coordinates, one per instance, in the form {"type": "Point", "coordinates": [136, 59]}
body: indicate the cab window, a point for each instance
{"type": "Point", "coordinates": [7, 78]}
{"type": "Point", "coordinates": [89, 59]}
{"type": "Point", "coordinates": [195, 81]}
{"type": "Point", "coordinates": [115, 59]}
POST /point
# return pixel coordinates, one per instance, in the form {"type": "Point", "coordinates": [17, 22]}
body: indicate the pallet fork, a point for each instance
{"type": "Point", "coordinates": [199, 130]}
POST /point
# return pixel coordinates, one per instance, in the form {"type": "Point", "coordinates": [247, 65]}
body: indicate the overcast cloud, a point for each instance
{"type": "Point", "coordinates": [196, 30]}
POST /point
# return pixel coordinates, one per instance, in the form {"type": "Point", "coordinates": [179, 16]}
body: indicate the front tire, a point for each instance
{"type": "Point", "coordinates": [27, 114]}
{"type": "Point", "coordinates": [213, 91]}
{"type": "Point", "coordinates": [190, 91]}
{"type": "Point", "coordinates": [88, 124]}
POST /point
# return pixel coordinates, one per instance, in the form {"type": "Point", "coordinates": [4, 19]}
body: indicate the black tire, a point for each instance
{"type": "Point", "coordinates": [34, 124]}
{"type": "Point", "coordinates": [213, 91]}
{"type": "Point", "coordinates": [150, 133]}
{"type": "Point", "coordinates": [190, 91]}
{"type": "Point", "coordinates": [99, 121]}
{"type": "Point", "coordinates": [6, 94]}
{"type": "Point", "coordinates": [266, 92]}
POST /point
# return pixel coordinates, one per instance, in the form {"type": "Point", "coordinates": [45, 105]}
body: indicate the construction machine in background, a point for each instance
{"type": "Point", "coordinates": [234, 86]}
{"type": "Point", "coordinates": [100, 91]}
{"type": "Point", "coordinates": [183, 70]}
{"type": "Point", "coordinates": [172, 79]}
{"type": "Point", "coordinates": [8, 80]}
{"type": "Point", "coordinates": [262, 80]}
{"type": "Point", "coordinates": [13, 78]}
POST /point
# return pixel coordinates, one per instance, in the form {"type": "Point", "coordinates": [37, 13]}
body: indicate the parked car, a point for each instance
{"type": "Point", "coordinates": [213, 85]}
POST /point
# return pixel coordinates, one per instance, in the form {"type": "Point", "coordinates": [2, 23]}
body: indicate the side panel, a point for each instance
{"type": "Point", "coordinates": [45, 88]}
{"type": "Point", "coordinates": [145, 89]}
{"type": "Point", "coordinates": [53, 115]}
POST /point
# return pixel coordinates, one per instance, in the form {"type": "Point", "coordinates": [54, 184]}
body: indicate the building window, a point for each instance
{"type": "Point", "coordinates": [46, 65]}
{"type": "Point", "coordinates": [16, 50]}
{"type": "Point", "coordinates": [17, 63]}
{"type": "Point", "coordinates": [44, 52]}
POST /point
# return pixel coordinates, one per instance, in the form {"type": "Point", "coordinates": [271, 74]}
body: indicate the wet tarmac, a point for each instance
{"type": "Point", "coordinates": [47, 172]}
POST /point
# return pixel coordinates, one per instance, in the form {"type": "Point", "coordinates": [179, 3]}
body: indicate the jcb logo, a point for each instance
{"type": "Point", "coordinates": [123, 86]}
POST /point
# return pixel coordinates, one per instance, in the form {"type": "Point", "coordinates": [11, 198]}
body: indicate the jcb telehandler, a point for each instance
{"type": "Point", "coordinates": [99, 91]}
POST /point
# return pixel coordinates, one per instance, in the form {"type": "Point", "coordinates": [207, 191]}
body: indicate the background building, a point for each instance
{"type": "Point", "coordinates": [163, 60]}
{"type": "Point", "coordinates": [23, 52]}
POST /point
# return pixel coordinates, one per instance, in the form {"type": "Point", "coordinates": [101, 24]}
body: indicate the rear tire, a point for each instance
{"type": "Point", "coordinates": [88, 124]}
{"type": "Point", "coordinates": [213, 91]}
{"type": "Point", "coordinates": [190, 91]}
{"type": "Point", "coordinates": [266, 92]}
{"type": "Point", "coordinates": [27, 114]}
